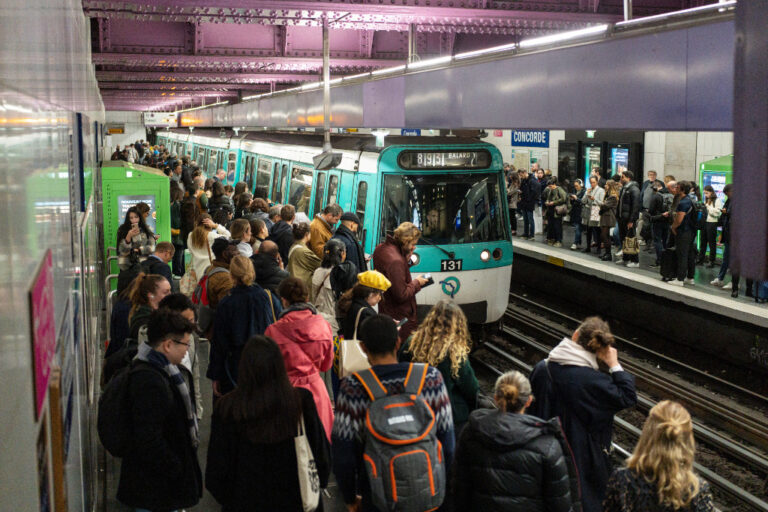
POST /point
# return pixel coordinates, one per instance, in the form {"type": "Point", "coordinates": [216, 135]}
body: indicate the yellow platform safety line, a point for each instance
{"type": "Point", "coordinates": [555, 261]}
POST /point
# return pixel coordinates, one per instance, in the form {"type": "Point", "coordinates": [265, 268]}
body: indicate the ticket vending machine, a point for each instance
{"type": "Point", "coordinates": [124, 185]}
{"type": "Point", "coordinates": [717, 173]}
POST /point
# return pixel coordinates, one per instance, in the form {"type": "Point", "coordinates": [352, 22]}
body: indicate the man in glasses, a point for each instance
{"type": "Point", "coordinates": [160, 470]}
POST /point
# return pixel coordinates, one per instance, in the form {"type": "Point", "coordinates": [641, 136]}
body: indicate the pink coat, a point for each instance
{"type": "Point", "coordinates": [306, 341]}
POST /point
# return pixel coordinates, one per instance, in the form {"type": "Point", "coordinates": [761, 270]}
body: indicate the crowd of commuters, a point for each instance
{"type": "Point", "coordinates": [621, 218]}
{"type": "Point", "coordinates": [277, 297]}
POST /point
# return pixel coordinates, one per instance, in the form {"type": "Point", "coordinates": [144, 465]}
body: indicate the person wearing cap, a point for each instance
{"type": "Point", "coordinates": [366, 294]}
{"type": "Point", "coordinates": [392, 259]}
{"type": "Point", "coordinates": [321, 228]}
{"type": "Point", "coordinates": [347, 233]}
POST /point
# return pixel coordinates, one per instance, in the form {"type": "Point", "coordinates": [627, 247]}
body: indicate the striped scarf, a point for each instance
{"type": "Point", "coordinates": [155, 358]}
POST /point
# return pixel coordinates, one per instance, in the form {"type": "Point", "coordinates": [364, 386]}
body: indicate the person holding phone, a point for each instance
{"type": "Point", "coordinates": [135, 241]}
{"type": "Point", "coordinates": [391, 259]}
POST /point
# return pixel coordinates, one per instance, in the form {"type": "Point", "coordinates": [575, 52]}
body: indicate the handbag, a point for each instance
{"type": "Point", "coordinates": [630, 246]}
{"type": "Point", "coordinates": [309, 480]}
{"type": "Point", "coordinates": [594, 213]}
{"type": "Point", "coordinates": [188, 281]}
{"type": "Point", "coordinates": [561, 209]}
{"type": "Point", "coordinates": [352, 358]}
{"type": "Point", "coordinates": [271, 306]}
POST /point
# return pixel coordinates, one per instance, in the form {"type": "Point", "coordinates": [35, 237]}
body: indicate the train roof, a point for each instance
{"type": "Point", "coordinates": [352, 141]}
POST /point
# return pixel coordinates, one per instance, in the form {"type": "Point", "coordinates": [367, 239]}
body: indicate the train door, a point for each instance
{"type": "Point", "coordinates": [359, 203]}
{"type": "Point", "coordinates": [263, 177]}
{"type": "Point", "coordinates": [332, 193]}
{"type": "Point", "coordinates": [346, 190]}
{"type": "Point", "coordinates": [319, 198]}
{"type": "Point", "coordinates": [280, 176]}
{"type": "Point", "coordinates": [231, 167]}
{"type": "Point", "coordinates": [300, 188]}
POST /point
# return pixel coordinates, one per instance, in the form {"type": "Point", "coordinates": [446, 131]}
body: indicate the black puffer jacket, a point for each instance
{"type": "Point", "coordinates": [511, 462]}
{"type": "Point", "coordinates": [629, 202]}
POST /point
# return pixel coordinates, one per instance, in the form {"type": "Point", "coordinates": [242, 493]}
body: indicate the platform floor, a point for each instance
{"type": "Point", "coordinates": [332, 501]}
{"type": "Point", "coordinates": [645, 278]}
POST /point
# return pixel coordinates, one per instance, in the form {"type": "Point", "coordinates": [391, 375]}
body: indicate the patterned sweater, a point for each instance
{"type": "Point", "coordinates": [351, 405]}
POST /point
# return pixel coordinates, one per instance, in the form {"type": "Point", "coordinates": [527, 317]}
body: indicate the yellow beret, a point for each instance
{"type": "Point", "coordinates": [374, 279]}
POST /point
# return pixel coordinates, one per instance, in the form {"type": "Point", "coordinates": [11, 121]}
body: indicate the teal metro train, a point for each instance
{"type": "Point", "coordinates": [452, 188]}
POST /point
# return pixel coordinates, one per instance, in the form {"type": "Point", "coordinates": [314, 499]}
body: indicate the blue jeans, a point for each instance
{"type": "Point", "coordinates": [616, 239]}
{"type": "Point", "coordinates": [528, 227]}
{"type": "Point", "coordinates": [726, 261]}
{"type": "Point", "coordinates": [577, 230]}
{"type": "Point", "coordinates": [659, 232]}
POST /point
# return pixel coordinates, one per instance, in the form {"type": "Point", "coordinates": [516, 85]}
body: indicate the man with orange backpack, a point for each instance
{"type": "Point", "coordinates": [393, 432]}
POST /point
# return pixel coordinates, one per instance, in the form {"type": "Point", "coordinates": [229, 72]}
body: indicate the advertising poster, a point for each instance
{"type": "Point", "coordinates": [43, 473]}
{"type": "Point", "coordinates": [125, 202]}
{"type": "Point", "coordinates": [57, 441]}
{"type": "Point", "coordinates": [43, 328]}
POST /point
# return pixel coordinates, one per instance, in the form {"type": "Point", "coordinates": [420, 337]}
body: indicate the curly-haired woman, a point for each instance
{"type": "Point", "coordinates": [659, 475]}
{"type": "Point", "coordinates": [442, 340]}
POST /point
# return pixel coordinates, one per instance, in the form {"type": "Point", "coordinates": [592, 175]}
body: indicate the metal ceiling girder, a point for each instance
{"type": "Point", "coordinates": [181, 86]}
{"type": "Point", "coordinates": [676, 79]}
{"type": "Point", "coordinates": [169, 60]}
{"type": "Point", "coordinates": [364, 16]}
{"type": "Point", "coordinates": [202, 77]}
{"type": "Point", "coordinates": [749, 226]}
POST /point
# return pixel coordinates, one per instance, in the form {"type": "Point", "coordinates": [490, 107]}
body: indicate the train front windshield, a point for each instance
{"type": "Point", "coordinates": [448, 208]}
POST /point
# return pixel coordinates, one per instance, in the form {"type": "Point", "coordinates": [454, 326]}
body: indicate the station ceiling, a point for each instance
{"type": "Point", "coordinates": [172, 54]}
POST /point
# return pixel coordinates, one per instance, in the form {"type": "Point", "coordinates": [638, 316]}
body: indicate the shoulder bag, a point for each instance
{"type": "Point", "coordinates": [352, 358]}
{"type": "Point", "coordinates": [630, 245]}
{"type": "Point", "coordinates": [309, 480]}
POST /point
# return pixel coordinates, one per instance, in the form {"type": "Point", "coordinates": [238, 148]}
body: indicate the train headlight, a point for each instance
{"type": "Point", "coordinates": [415, 259]}
{"type": "Point", "coordinates": [497, 254]}
{"type": "Point", "coordinates": [485, 255]}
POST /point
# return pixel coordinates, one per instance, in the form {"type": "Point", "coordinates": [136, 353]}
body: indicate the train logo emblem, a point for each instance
{"type": "Point", "coordinates": [450, 286]}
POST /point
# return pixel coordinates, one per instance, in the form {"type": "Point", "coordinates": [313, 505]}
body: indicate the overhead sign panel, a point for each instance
{"type": "Point", "coordinates": [531, 138]}
{"type": "Point", "coordinates": [159, 119]}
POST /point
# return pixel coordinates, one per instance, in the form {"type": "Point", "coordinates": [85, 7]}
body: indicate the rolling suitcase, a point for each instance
{"type": "Point", "coordinates": [668, 264]}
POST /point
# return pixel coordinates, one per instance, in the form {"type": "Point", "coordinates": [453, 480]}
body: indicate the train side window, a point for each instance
{"type": "Point", "coordinates": [301, 188]}
{"type": "Point", "coordinates": [262, 178]}
{"type": "Point", "coordinates": [333, 186]}
{"type": "Point", "coordinates": [283, 182]}
{"type": "Point", "coordinates": [319, 191]}
{"type": "Point", "coordinates": [275, 182]}
{"type": "Point", "coordinates": [362, 196]}
{"type": "Point", "coordinates": [232, 163]}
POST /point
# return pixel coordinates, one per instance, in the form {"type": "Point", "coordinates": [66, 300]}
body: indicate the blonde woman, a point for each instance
{"type": "Point", "coordinates": [442, 340]}
{"type": "Point", "coordinates": [508, 461]}
{"type": "Point", "coordinates": [659, 475]}
{"type": "Point", "coordinates": [200, 242]}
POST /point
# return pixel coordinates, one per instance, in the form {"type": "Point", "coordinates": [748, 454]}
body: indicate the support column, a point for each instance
{"type": "Point", "coordinates": [627, 9]}
{"type": "Point", "coordinates": [749, 225]}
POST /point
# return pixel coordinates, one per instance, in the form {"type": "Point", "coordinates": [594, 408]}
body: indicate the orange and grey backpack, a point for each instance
{"type": "Point", "coordinates": [401, 452]}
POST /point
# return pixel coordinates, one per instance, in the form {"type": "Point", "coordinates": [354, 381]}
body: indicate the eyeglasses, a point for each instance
{"type": "Point", "coordinates": [180, 343]}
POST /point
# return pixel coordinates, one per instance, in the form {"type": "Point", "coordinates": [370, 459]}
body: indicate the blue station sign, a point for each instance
{"type": "Point", "coordinates": [410, 131]}
{"type": "Point", "coordinates": [531, 138]}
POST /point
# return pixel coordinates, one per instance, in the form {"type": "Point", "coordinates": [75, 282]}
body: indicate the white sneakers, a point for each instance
{"type": "Point", "coordinates": [619, 262]}
{"type": "Point", "coordinates": [620, 254]}
{"type": "Point", "coordinates": [632, 264]}
{"type": "Point", "coordinates": [717, 282]}
{"type": "Point", "coordinates": [690, 281]}
{"type": "Point", "coordinates": [675, 282]}
{"type": "Point", "coordinates": [574, 247]}
{"type": "Point", "coordinates": [729, 286]}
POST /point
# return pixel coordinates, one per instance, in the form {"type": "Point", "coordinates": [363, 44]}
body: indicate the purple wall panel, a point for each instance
{"type": "Point", "coordinates": [125, 32]}
{"type": "Point", "coordinates": [384, 103]}
{"type": "Point", "coordinates": [230, 35]}
{"type": "Point", "coordinates": [710, 75]}
{"type": "Point", "coordinates": [346, 108]}
{"type": "Point", "coordinates": [433, 99]}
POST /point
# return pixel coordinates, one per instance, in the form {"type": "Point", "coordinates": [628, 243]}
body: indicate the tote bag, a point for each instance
{"type": "Point", "coordinates": [352, 358]}
{"type": "Point", "coordinates": [309, 480]}
{"type": "Point", "coordinates": [594, 213]}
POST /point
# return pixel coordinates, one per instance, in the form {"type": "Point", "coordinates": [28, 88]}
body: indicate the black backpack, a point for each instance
{"type": "Point", "coordinates": [114, 417]}
{"type": "Point", "coordinates": [119, 360]}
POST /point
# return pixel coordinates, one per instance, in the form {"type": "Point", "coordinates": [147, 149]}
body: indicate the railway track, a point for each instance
{"type": "Point", "coordinates": [539, 335]}
{"type": "Point", "coordinates": [716, 481]}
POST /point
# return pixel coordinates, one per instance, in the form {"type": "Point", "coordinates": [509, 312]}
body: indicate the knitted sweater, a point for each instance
{"type": "Point", "coordinates": [351, 405]}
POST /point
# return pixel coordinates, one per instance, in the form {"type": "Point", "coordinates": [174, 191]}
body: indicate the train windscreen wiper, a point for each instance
{"type": "Point", "coordinates": [450, 254]}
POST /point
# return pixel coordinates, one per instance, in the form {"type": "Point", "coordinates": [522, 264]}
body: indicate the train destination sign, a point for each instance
{"type": "Point", "coordinates": [480, 159]}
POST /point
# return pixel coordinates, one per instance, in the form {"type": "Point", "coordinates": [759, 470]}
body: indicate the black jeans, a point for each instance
{"type": "Point", "coordinates": [513, 219]}
{"type": "Point", "coordinates": [685, 249]}
{"type": "Point", "coordinates": [178, 260]}
{"type": "Point", "coordinates": [623, 233]}
{"type": "Point", "coordinates": [659, 231]}
{"type": "Point", "coordinates": [554, 227]}
{"type": "Point", "coordinates": [708, 237]}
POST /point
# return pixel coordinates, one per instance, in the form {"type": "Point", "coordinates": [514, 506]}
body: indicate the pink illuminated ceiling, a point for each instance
{"type": "Point", "coordinates": [169, 54]}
